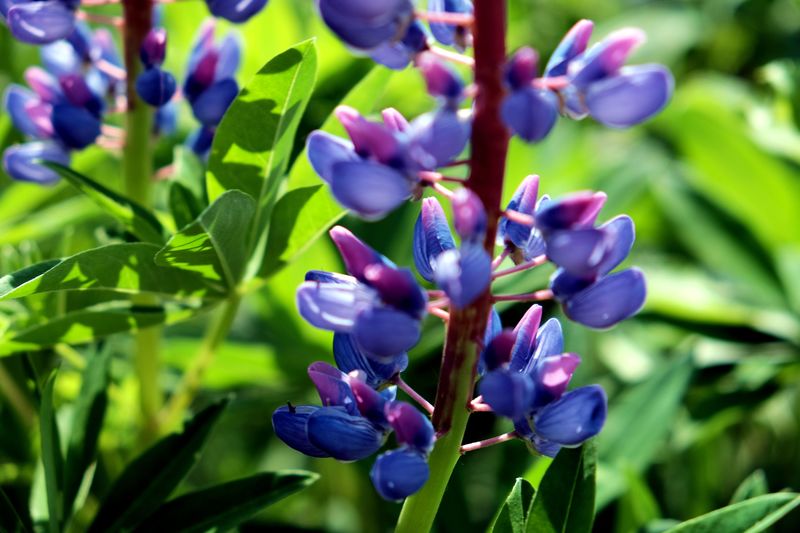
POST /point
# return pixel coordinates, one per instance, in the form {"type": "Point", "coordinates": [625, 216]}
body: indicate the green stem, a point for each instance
{"type": "Point", "coordinates": [137, 166]}
{"type": "Point", "coordinates": [193, 377]}
{"type": "Point", "coordinates": [420, 509]}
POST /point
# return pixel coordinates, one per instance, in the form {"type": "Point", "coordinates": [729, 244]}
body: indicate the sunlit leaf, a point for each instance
{"type": "Point", "coordinates": [749, 516]}
{"type": "Point", "coordinates": [512, 517]}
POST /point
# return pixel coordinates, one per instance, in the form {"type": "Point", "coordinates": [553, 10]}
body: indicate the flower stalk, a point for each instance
{"type": "Point", "coordinates": [490, 140]}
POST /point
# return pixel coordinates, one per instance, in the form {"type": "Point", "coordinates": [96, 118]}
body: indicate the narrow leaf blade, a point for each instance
{"type": "Point", "coordinates": [749, 516]}
{"type": "Point", "coordinates": [52, 460]}
{"type": "Point", "coordinates": [512, 517]}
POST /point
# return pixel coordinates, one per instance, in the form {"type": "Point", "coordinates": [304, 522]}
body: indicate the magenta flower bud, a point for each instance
{"type": "Point", "coordinates": [75, 88]}
{"type": "Point", "coordinates": [552, 376]}
{"type": "Point", "coordinates": [525, 344]}
{"type": "Point", "coordinates": [469, 216]}
{"type": "Point", "coordinates": [154, 48]}
{"type": "Point", "coordinates": [397, 287]}
{"type": "Point", "coordinates": [498, 352]}
{"type": "Point", "coordinates": [332, 386]}
{"type": "Point", "coordinates": [522, 68]}
{"type": "Point", "coordinates": [369, 138]}
{"type": "Point", "coordinates": [204, 73]}
{"type": "Point", "coordinates": [369, 402]}
{"type": "Point", "coordinates": [574, 211]}
{"type": "Point", "coordinates": [356, 255]}
{"type": "Point", "coordinates": [441, 79]}
{"type": "Point", "coordinates": [411, 427]}
{"type": "Point", "coordinates": [573, 44]}
{"type": "Point", "coordinates": [394, 120]}
{"type": "Point", "coordinates": [606, 57]}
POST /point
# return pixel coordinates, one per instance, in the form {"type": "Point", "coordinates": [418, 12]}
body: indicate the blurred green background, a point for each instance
{"type": "Point", "coordinates": [704, 384]}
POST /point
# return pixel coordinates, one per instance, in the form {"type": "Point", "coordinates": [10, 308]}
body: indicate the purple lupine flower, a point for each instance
{"type": "Point", "coordinates": [530, 389]}
{"type": "Point", "coordinates": [20, 161]}
{"type": "Point", "coordinates": [378, 169]}
{"type": "Point", "coordinates": [581, 82]}
{"type": "Point", "coordinates": [378, 303]}
{"type": "Point", "coordinates": [384, 29]}
{"type": "Point", "coordinates": [235, 10]}
{"type": "Point", "coordinates": [155, 86]}
{"type": "Point", "coordinates": [441, 79]}
{"type": "Point", "coordinates": [448, 34]}
{"type": "Point", "coordinates": [354, 422]}
{"type": "Point", "coordinates": [462, 273]}
{"type": "Point", "coordinates": [38, 21]}
{"type": "Point", "coordinates": [210, 85]}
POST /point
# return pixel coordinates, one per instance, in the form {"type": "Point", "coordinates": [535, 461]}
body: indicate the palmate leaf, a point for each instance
{"type": "Point", "coordinates": [749, 516]}
{"type": "Point", "coordinates": [254, 141]}
{"type": "Point", "coordinates": [224, 506]}
{"type": "Point", "coordinates": [213, 246]}
{"type": "Point", "coordinates": [136, 219]}
{"type": "Point", "coordinates": [512, 517]}
{"type": "Point", "coordinates": [92, 323]}
{"type": "Point", "coordinates": [150, 478]}
{"type": "Point", "coordinates": [564, 502]}
{"type": "Point", "coordinates": [307, 208]}
{"type": "Point", "coordinates": [127, 268]}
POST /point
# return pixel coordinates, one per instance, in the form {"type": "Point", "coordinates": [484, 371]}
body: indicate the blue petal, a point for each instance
{"type": "Point", "coordinates": [41, 22]}
{"type": "Point", "coordinates": [633, 96]}
{"type": "Point", "coordinates": [445, 33]}
{"type": "Point", "coordinates": [325, 150]}
{"type": "Point", "coordinates": [577, 210]}
{"type": "Point", "coordinates": [356, 254]}
{"type": "Point", "coordinates": [60, 58]}
{"type": "Point", "coordinates": [431, 236]}
{"type": "Point", "coordinates": [332, 306]}
{"type": "Point", "coordinates": [437, 138]}
{"type": "Point", "coordinates": [605, 57]}
{"type": "Point", "coordinates": [620, 233]}
{"type": "Point", "coordinates": [397, 288]}
{"type": "Point", "coordinates": [76, 127]}
{"type": "Point", "coordinates": [524, 201]}
{"type": "Point", "coordinates": [324, 276]}
{"type": "Point", "coordinates": [291, 426]}
{"type": "Point", "coordinates": [349, 357]}
{"type": "Point", "coordinates": [573, 44]}
{"type": "Point", "coordinates": [552, 376]}
{"type": "Point", "coordinates": [332, 386]}
{"type": "Point", "coordinates": [399, 474]}
{"type": "Point", "coordinates": [463, 274]}
{"type": "Point", "coordinates": [493, 328]}
{"type": "Point", "coordinates": [212, 103]}
{"type": "Point", "coordinates": [235, 10]}
{"type": "Point", "coordinates": [579, 415]}
{"type": "Point", "coordinates": [156, 86]}
{"type": "Point", "coordinates": [526, 338]}
{"type": "Point", "coordinates": [411, 427]}
{"type": "Point", "coordinates": [370, 403]}
{"type": "Point", "coordinates": [230, 56]}
{"type": "Point", "coordinates": [385, 332]}
{"type": "Point", "coordinates": [370, 189]}
{"type": "Point", "coordinates": [609, 301]}
{"type": "Point", "coordinates": [565, 285]}
{"type": "Point", "coordinates": [393, 55]}
{"type": "Point", "coordinates": [19, 162]}
{"type": "Point", "coordinates": [365, 24]}
{"type": "Point", "coordinates": [17, 102]}
{"type": "Point", "coordinates": [508, 393]}
{"type": "Point", "coordinates": [343, 436]}
{"type": "Point", "coordinates": [579, 252]}
{"type": "Point", "coordinates": [549, 340]}
{"type": "Point", "coordinates": [530, 113]}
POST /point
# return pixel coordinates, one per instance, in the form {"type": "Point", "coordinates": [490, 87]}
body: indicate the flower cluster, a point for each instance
{"type": "Point", "coordinates": [47, 21]}
{"type": "Point", "coordinates": [63, 109]}
{"type": "Point", "coordinates": [385, 163]}
{"type": "Point", "coordinates": [580, 82]}
{"type": "Point", "coordinates": [210, 85]}
{"type": "Point", "coordinates": [155, 85]}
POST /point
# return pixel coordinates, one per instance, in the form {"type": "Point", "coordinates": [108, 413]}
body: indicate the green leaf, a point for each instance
{"type": "Point", "coordinates": [512, 517]}
{"type": "Point", "coordinates": [753, 485]}
{"type": "Point", "coordinates": [10, 519]}
{"type": "Point", "coordinates": [150, 478]}
{"type": "Point", "coordinates": [254, 141]}
{"type": "Point", "coordinates": [87, 421]}
{"type": "Point", "coordinates": [214, 245]}
{"type": "Point", "coordinates": [133, 216]}
{"type": "Point", "coordinates": [749, 516]}
{"type": "Point", "coordinates": [564, 502]}
{"type": "Point", "coordinates": [91, 324]}
{"type": "Point", "coordinates": [183, 205]}
{"type": "Point", "coordinates": [307, 209]}
{"type": "Point", "coordinates": [49, 221]}
{"type": "Point", "coordinates": [187, 196]}
{"type": "Point", "coordinates": [224, 506]}
{"type": "Point", "coordinates": [52, 460]}
{"type": "Point", "coordinates": [127, 268]}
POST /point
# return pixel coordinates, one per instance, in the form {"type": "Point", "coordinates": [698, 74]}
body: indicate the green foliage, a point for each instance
{"type": "Point", "coordinates": [513, 515]}
{"type": "Point", "coordinates": [750, 516]}
{"type": "Point", "coordinates": [565, 499]}
{"type": "Point", "coordinates": [226, 505]}
{"type": "Point", "coordinates": [52, 459]}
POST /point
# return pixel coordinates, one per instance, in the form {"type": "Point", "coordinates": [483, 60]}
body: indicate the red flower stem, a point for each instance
{"type": "Point", "coordinates": [537, 296]}
{"type": "Point", "coordinates": [505, 437]}
{"type": "Point", "coordinates": [417, 397]}
{"type": "Point", "coordinates": [479, 407]}
{"type": "Point", "coordinates": [533, 263]}
{"type": "Point", "coordinates": [521, 218]}
{"type": "Point", "coordinates": [441, 189]}
{"type": "Point", "coordinates": [456, 19]}
{"type": "Point", "coordinates": [458, 163]}
{"type": "Point", "coordinates": [97, 18]}
{"type": "Point", "coordinates": [435, 311]}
